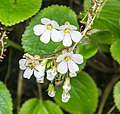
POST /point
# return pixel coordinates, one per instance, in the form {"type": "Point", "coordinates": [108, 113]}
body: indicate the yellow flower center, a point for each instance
{"type": "Point", "coordinates": [67, 31]}
{"type": "Point", "coordinates": [67, 58]}
{"type": "Point", "coordinates": [31, 64]}
{"type": "Point", "coordinates": [49, 27]}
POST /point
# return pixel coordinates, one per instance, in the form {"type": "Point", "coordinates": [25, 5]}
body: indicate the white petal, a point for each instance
{"type": "Point", "coordinates": [78, 58]}
{"type": "Point", "coordinates": [45, 37]}
{"type": "Point", "coordinates": [55, 24]}
{"type": "Point", "coordinates": [60, 58]}
{"type": "Point", "coordinates": [76, 36]}
{"type": "Point", "coordinates": [63, 27]}
{"type": "Point", "coordinates": [22, 64]}
{"type": "Point", "coordinates": [56, 36]}
{"type": "Point", "coordinates": [62, 67]}
{"type": "Point", "coordinates": [72, 74]}
{"type": "Point", "coordinates": [39, 29]}
{"type": "Point", "coordinates": [45, 21]}
{"type": "Point", "coordinates": [67, 40]}
{"type": "Point", "coordinates": [38, 71]}
{"type": "Point", "coordinates": [68, 26]}
{"type": "Point", "coordinates": [73, 67]}
{"type": "Point", "coordinates": [72, 27]}
{"type": "Point", "coordinates": [28, 72]}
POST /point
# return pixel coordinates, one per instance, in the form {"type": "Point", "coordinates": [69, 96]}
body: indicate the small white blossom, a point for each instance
{"type": "Point", "coordinates": [69, 34]}
{"type": "Point", "coordinates": [66, 85]}
{"type": "Point", "coordinates": [51, 90]}
{"type": "Point", "coordinates": [30, 65]}
{"type": "Point", "coordinates": [69, 61]}
{"type": "Point", "coordinates": [72, 74]}
{"type": "Point", "coordinates": [51, 74]}
{"type": "Point", "coordinates": [47, 30]}
{"type": "Point", "coordinates": [65, 97]}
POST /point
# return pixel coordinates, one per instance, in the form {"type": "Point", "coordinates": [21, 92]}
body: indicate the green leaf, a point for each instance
{"type": "Point", "coordinates": [88, 50]}
{"type": "Point", "coordinates": [116, 95]}
{"type": "Point", "coordinates": [12, 13]}
{"type": "Point", "coordinates": [35, 106]}
{"type": "Point", "coordinates": [84, 95]}
{"type": "Point", "coordinates": [32, 44]}
{"type": "Point", "coordinates": [102, 37]}
{"type": "Point", "coordinates": [5, 100]}
{"type": "Point", "coordinates": [115, 49]}
{"type": "Point", "coordinates": [109, 18]}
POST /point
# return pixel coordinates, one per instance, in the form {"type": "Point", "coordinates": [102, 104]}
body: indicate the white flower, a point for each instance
{"type": "Point", "coordinates": [47, 30]}
{"type": "Point", "coordinates": [72, 74]}
{"type": "Point", "coordinates": [51, 90]}
{"type": "Point", "coordinates": [69, 34]}
{"type": "Point", "coordinates": [65, 97]}
{"type": "Point", "coordinates": [66, 85]}
{"type": "Point", "coordinates": [69, 61]}
{"type": "Point", "coordinates": [51, 74]}
{"type": "Point", "coordinates": [31, 66]}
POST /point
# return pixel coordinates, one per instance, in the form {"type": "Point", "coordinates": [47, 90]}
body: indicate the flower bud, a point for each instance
{"type": "Point", "coordinates": [51, 90]}
{"type": "Point", "coordinates": [65, 97]}
{"type": "Point", "coordinates": [51, 74]}
{"type": "Point", "coordinates": [66, 85]}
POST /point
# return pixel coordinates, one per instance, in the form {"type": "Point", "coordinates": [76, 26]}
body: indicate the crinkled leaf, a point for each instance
{"type": "Point", "coordinates": [35, 106]}
{"type": "Point", "coordinates": [12, 13]}
{"type": "Point", "coordinates": [5, 100]}
{"type": "Point", "coordinates": [117, 95]}
{"type": "Point", "coordinates": [115, 49]}
{"type": "Point", "coordinates": [109, 18]}
{"type": "Point", "coordinates": [84, 95]}
{"type": "Point", "coordinates": [102, 37]}
{"type": "Point", "coordinates": [31, 42]}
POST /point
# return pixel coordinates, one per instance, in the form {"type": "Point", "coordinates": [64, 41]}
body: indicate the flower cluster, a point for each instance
{"type": "Point", "coordinates": [60, 68]}
{"type": "Point", "coordinates": [50, 29]}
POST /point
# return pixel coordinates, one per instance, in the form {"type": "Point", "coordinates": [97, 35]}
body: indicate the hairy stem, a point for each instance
{"type": "Point", "coordinates": [106, 93]}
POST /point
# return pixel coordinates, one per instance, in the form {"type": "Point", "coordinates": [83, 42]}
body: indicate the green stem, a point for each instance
{"type": "Point", "coordinates": [19, 90]}
{"type": "Point", "coordinates": [106, 93]}
{"type": "Point", "coordinates": [14, 45]}
{"type": "Point", "coordinates": [39, 91]}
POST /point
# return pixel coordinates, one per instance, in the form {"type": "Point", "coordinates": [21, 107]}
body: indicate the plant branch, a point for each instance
{"type": "Point", "coordinates": [106, 93]}
{"type": "Point", "coordinates": [2, 45]}
{"type": "Point", "coordinates": [39, 91]}
{"type": "Point", "coordinates": [14, 45]}
{"type": "Point", "coordinates": [19, 90]}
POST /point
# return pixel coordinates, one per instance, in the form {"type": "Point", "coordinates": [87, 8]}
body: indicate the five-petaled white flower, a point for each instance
{"type": "Point", "coordinates": [51, 74]}
{"type": "Point", "coordinates": [69, 34]}
{"type": "Point", "coordinates": [69, 61]}
{"type": "Point", "coordinates": [65, 97]}
{"type": "Point", "coordinates": [30, 65]}
{"type": "Point", "coordinates": [47, 30]}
